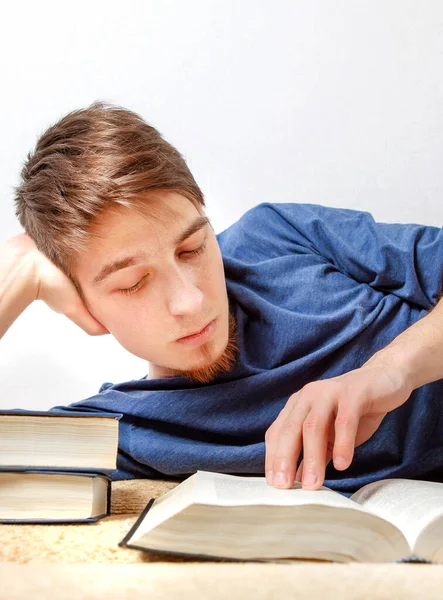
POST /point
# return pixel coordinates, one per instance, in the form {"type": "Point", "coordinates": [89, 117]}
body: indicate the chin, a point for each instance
{"type": "Point", "coordinates": [211, 363]}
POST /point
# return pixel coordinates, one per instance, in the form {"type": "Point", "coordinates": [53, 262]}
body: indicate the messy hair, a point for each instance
{"type": "Point", "coordinates": [97, 158]}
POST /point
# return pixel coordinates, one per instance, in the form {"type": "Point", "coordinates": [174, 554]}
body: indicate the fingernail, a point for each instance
{"type": "Point", "coordinates": [339, 462]}
{"type": "Point", "coordinates": [310, 479]}
{"type": "Point", "coordinates": [280, 478]}
{"type": "Point", "coordinates": [269, 477]}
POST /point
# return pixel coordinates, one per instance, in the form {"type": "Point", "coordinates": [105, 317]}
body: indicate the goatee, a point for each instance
{"type": "Point", "coordinates": [221, 365]}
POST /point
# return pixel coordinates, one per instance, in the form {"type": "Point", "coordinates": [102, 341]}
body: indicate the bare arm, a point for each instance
{"type": "Point", "coordinates": [332, 416]}
{"type": "Point", "coordinates": [18, 286]}
{"type": "Point", "coordinates": [417, 353]}
{"type": "Point", "coordinates": [27, 275]}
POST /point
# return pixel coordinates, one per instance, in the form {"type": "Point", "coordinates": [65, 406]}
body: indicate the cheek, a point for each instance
{"type": "Point", "coordinates": [121, 317]}
{"type": "Point", "coordinates": [216, 276]}
{"type": "Point", "coordinates": [98, 309]}
{"type": "Point", "coordinates": [132, 330]}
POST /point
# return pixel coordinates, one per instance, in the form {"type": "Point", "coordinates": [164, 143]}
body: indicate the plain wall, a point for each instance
{"type": "Point", "coordinates": [328, 102]}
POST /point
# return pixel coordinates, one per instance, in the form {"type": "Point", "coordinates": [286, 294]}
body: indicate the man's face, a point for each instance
{"type": "Point", "coordinates": [173, 287]}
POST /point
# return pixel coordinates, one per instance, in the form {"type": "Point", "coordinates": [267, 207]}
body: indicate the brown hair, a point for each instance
{"type": "Point", "coordinates": [100, 157]}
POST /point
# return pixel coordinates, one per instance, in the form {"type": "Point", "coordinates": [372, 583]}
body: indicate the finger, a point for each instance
{"type": "Point", "coordinates": [346, 426]}
{"type": "Point", "coordinates": [367, 426]}
{"type": "Point", "coordinates": [271, 439]}
{"type": "Point", "coordinates": [83, 318]}
{"type": "Point", "coordinates": [299, 474]}
{"type": "Point", "coordinates": [273, 434]}
{"type": "Point", "coordinates": [288, 447]}
{"type": "Point", "coordinates": [315, 444]}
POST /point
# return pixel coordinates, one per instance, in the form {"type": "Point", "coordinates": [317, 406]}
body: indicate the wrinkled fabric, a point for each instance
{"type": "Point", "coordinates": [315, 292]}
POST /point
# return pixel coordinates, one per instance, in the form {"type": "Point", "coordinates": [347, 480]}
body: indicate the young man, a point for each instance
{"type": "Point", "coordinates": [298, 331]}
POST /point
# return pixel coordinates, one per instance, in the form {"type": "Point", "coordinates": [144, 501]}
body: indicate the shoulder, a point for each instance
{"type": "Point", "coordinates": [257, 221]}
{"type": "Point", "coordinates": [249, 232]}
{"type": "Point", "coordinates": [286, 214]}
{"type": "Point", "coordinates": [270, 224]}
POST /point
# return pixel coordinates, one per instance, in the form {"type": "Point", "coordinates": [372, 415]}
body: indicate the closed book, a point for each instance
{"type": "Point", "coordinates": [58, 440]}
{"type": "Point", "coordinates": [229, 517]}
{"type": "Point", "coordinates": [34, 496]}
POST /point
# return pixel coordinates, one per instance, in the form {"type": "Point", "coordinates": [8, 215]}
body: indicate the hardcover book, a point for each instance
{"type": "Point", "coordinates": [53, 496]}
{"type": "Point", "coordinates": [230, 517]}
{"type": "Point", "coordinates": [72, 441]}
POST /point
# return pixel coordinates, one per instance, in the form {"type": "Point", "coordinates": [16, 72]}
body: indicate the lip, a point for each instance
{"type": "Point", "coordinates": [199, 337]}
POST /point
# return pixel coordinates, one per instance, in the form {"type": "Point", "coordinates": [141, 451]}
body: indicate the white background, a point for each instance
{"type": "Point", "coordinates": [329, 102]}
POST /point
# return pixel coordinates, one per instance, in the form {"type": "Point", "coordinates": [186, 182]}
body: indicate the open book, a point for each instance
{"type": "Point", "coordinates": [244, 518]}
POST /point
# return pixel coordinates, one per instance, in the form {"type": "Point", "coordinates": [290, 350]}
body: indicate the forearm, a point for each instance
{"type": "Point", "coordinates": [417, 353]}
{"type": "Point", "coordinates": [17, 285]}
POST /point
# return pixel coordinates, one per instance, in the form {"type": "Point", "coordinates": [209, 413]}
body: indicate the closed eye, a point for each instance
{"type": "Point", "coordinates": [139, 284]}
{"type": "Point", "coordinates": [198, 250]}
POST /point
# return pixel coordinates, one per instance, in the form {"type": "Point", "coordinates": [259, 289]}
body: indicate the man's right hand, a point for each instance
{"type": "Point", "coordinates": [52, 286]}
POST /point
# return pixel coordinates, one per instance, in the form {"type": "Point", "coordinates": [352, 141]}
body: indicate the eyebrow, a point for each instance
{"type": "Point", "coordinates": [129, 261]}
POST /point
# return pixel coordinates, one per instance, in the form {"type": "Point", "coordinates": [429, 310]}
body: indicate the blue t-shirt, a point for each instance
{"type": "Point", "coordinates": [315, 292]}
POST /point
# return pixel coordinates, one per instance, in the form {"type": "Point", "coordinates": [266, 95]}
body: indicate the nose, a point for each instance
{"type": "Point", "coordinates": [184, 297]}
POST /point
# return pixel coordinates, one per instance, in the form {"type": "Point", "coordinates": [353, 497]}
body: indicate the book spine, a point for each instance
{"type": "Point", "coordinates": [109, 500]}
{"type": "Point", "coordinates": [414, 559]}
{"type": "Point", "coordinates": [60, 470]}
{"type": "Point", "coordinates": [137, 523]}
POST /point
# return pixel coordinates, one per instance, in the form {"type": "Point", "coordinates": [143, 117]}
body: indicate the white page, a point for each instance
{"type": "Point", "coordinates": [226, 490]}
{"type": "Point", "coordinates": [408, 504]}
{"type": "Point", "coordinates": [167, 505]}
{"type": "Point", "coordinates": [208, 488]}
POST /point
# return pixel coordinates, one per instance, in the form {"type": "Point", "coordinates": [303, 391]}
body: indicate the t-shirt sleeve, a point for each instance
{"type": "Point", "coordinates": [396, 258]}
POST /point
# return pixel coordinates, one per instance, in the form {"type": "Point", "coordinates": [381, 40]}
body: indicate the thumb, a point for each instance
{"type": "Point", "coordinates": [368, 426]}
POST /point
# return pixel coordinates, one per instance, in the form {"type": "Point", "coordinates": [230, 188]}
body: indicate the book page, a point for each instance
{"type": "Point", "coordinates": [58, 442]}
{"type": "Point", "coordinates": [408, 504]}
{"type": "Point", "coordinates": [225, 490]}
{"type": "Point", "coordinates": [206, 487]}
{"type": "Point", "coordinates": [241, 516]}
{"type": "Point", "coordinates": [167, 505]}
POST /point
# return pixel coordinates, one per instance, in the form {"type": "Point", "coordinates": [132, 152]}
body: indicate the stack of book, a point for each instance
{"type": "Point", "coordinates": [55, 466]}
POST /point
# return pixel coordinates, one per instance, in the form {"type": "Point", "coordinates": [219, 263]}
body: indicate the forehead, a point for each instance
{"type": "Point", "coordinates": [124, 230]}
{"type": "Point", "coordinates": [159, 213]}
